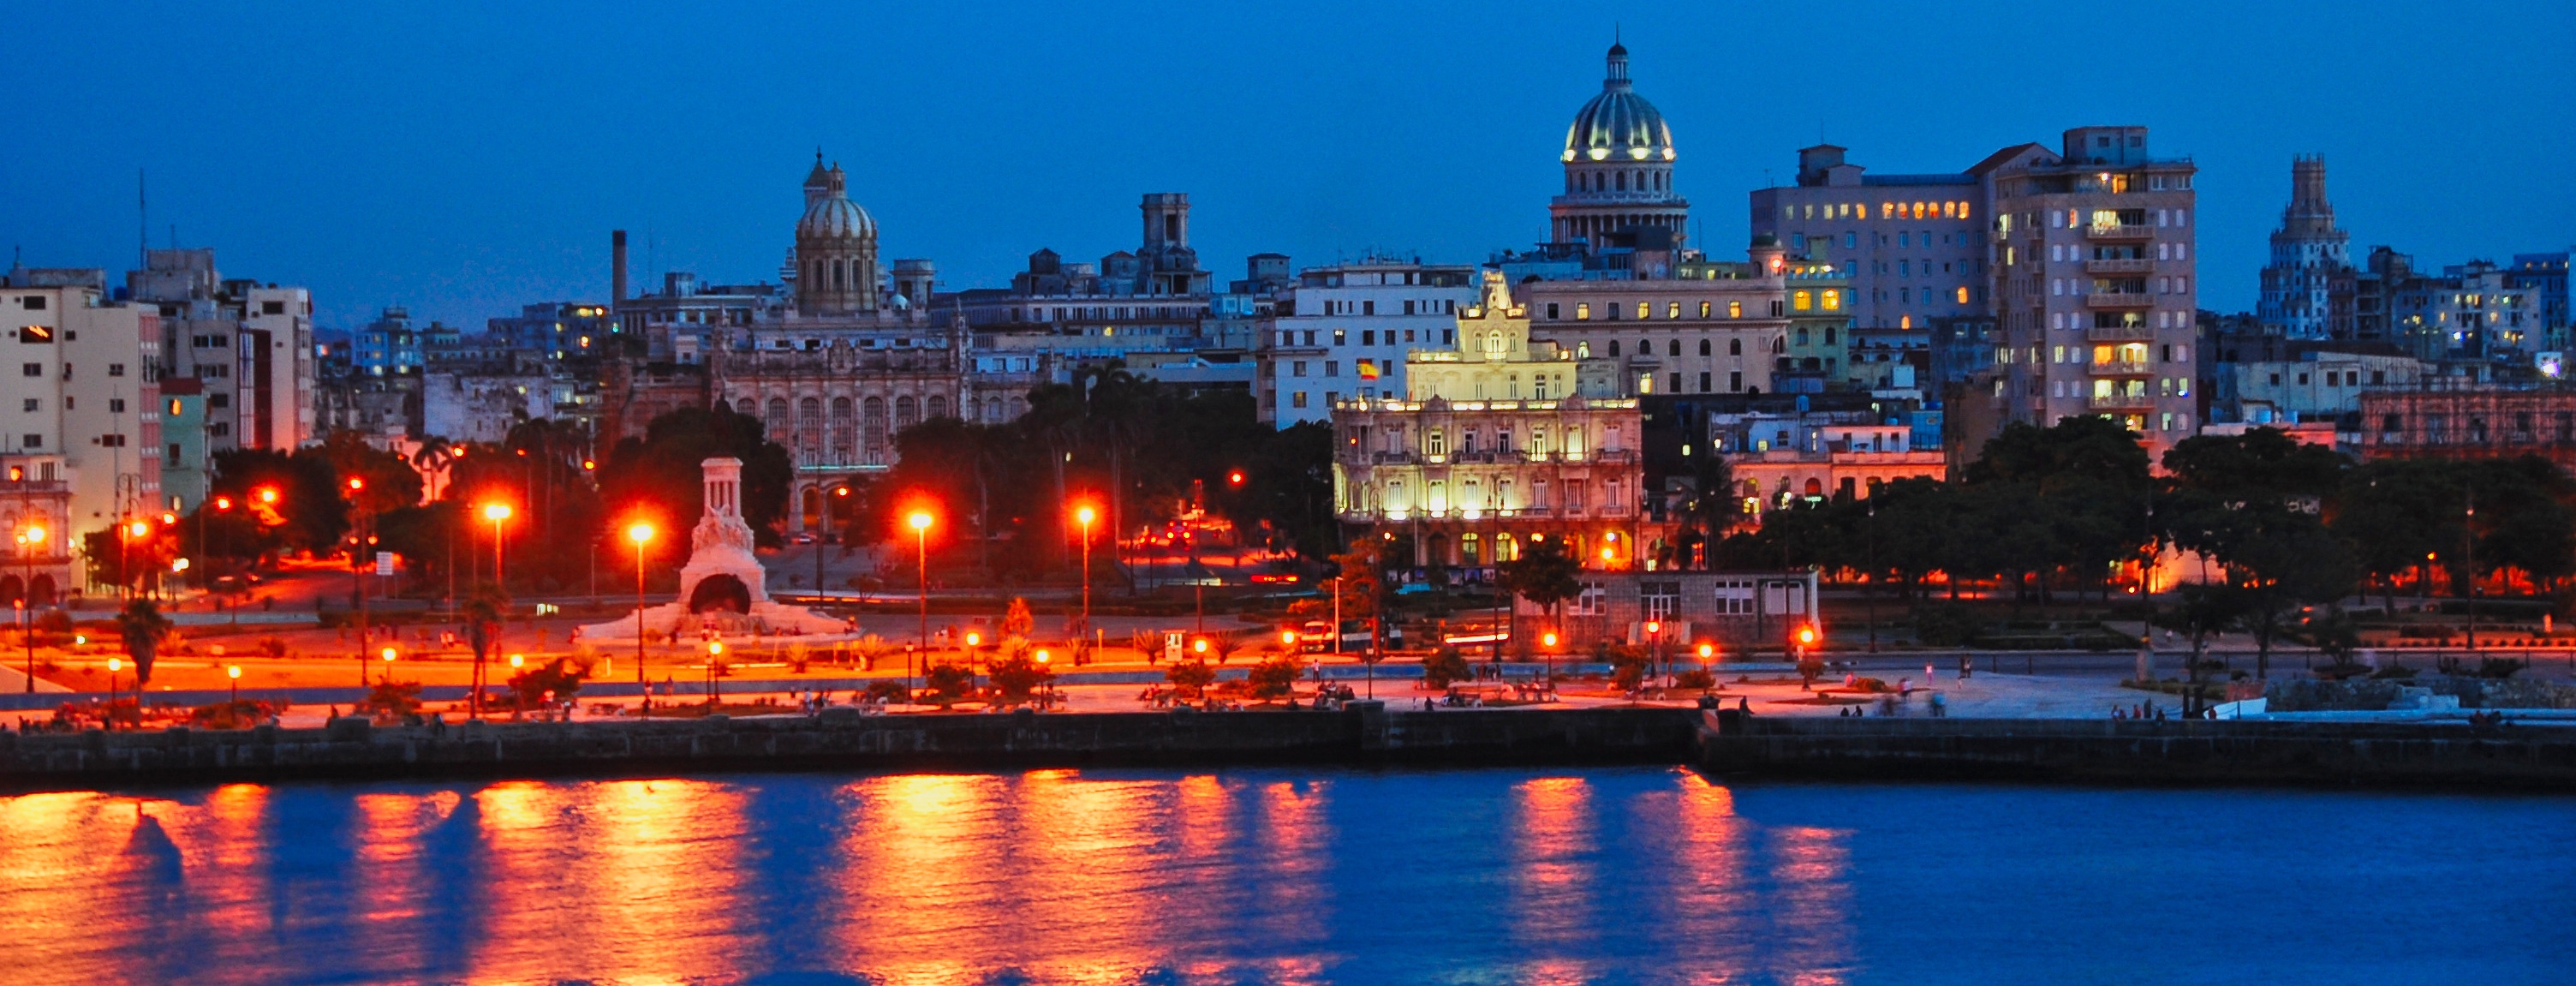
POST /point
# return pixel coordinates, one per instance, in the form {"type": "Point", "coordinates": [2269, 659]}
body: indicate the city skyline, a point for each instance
{"type": "Point", "coordinates": [1340, 132]}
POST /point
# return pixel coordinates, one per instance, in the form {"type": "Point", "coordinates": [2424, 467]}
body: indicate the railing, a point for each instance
{"type": "Point", "coordinates": [2120, 333]}
{"type": "Point", "coordinates": [2125, 402]}
{"type": "Point", "coordinates": [33, 486]}
{"type": "Point", "coordinates": [2105, 231]}
{"type": "Point", "coordinates": [2119, 299]}
{"type": "Point", "coordinates": [2126, 265]}
{"type": "Point", "coordinates": [2122, 368]}
{"type": "Point", "coordinates": [1391, 458]}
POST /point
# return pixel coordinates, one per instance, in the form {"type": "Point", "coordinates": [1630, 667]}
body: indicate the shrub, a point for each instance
{"type": "Point", "coordinates": [888, 691]}
{"type": "Point", "coordinates": [949, 681]}
{"type": "Point", "coordinates": [239, 714]}
{"type": "Point", "coordinates": [2499, 667]}
{"type": "Point", "coordinates": [1016, 676]}
{"type": "Point", "coordinates": [1696, 679]}
{"type": "Point", "coordinates": [273, 646]}
{"type": "Point", "coordinates": [2393, 670]}
{"type": "Point", "coordinates": [390, 700]}
{"type": "Point", "coordinates": [1945, 624]}
{"type": "Point", "coordinates": [1276, 677]}
{"type": "Point", "coordinates": [554, 680]}
{"type": "Point", "coordinates": [1444, 666]}
{"type": "Point", "coordinates": [1190, 678]}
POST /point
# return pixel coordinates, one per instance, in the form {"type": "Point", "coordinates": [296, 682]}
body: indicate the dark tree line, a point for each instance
{"type": "Point", "coordinates": [2074, 507]}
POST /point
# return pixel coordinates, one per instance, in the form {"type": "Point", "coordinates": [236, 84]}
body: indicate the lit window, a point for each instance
{"type": "Point", "coordinates": [1735, 309]}
{"type": "Point", "coordinates": [1801, 300]}
{"type": "Point", "coordinates": [1834, 300]}
{"type": "Point", "coordinates": [1645, 311]}
{"type": "Point", "coordinates": [1703, 309]}
{"type": "Point", "coordinates": [1673, 310]}
{"type": "Point", "coordinates": [1962, 294]}
{"type": "Point", "coordinates": [1583, 312]}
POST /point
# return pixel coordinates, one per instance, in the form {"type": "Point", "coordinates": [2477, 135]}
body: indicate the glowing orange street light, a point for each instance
{"type": "Point", "coordinates": [357, 483]}
{"type": "Point", "coordinates": [1548, 641]}
{"type": "Point", "coordinates": [268, 494]}
{"type": "Point", "coordinates": [138, 529]}
{"type": "Point", "coordinates": [1234, 478]}
{"type": "Point", "coordinates": [497, 513]}
{"type": "Point", "coordinates": [1084, 514]}
{"type": "Point", "coordinates": [920, 521]}
{"type": "Point", "coordinates": [641, 533]}
{"type": "Point", "coordinates": [28, 539]}
{"type": "Point", "coordinates": [223, 503]}
{"type": "Point", "coordinates": [1288, 639]}
{"type": "Point", "coordinates": [233, 671]}
{"type": "Point", "coordinates": [1199, 645]}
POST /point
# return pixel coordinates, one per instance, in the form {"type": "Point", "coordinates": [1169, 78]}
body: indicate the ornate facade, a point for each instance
{"type": "Point", "coordinates": [1498, 442]}
{"type": "Point", "coordinates": [837, 372]}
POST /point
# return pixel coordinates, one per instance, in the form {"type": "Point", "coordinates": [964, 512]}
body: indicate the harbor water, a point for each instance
{"type": "Point", "coordinates": [1646, 875]}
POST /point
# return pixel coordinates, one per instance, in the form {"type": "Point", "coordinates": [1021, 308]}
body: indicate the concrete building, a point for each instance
{"type": "Point", "coordinates": [2311, 382]}
{"type": "Point", "coordinates": [1736, 612]}
{"type": "Point", "coordinates": [1778, 459]}
{"type": "Point", "coordinates": [250, 344]}
{"type": "Point", "coordinates": [2469, 422]}
{"type": "Point", "coordinates": [2308, 251]}
{"type": "Point", "coordinates": [1344, 331]}
{"type": "Point", "coordinates": [1497, 442]}
{"type": "Point", "coordinates": [559, 329]}
{"type": "Point", "coordinates": [389, 346]}
{"type": "Point", "coordinates": [82, 419]}
{"type": "Point", "coordinates": [1913, 246]}
{"type": "Point", "coordinates": [2095, 290]}
{"type": "Point", "coordinates": [187, 465]}
{"type": "Point", "coordinates": [1723, 331]}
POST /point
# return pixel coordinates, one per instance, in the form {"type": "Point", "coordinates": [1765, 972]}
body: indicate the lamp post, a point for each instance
{"type": "Point", "coordinates": [1085, 514]}
{"type": "Point", "coordinates": [920, 521]}
{"type": "Point", "coordinates": [114, 665]}
{"type": "Point", "coordinates": [715, 652]}
{"type": "Point", "coordinates": [641, 534]}
{"type": "Point", "coordinates": [233, 672]}
{"type": "Point", "coordinates": [27, 541]}
{"type": "Point", "coordinates": [358, 575]}
{"type": "Point", "coordinates": [1547, 641]}
{"type": "Point", "coordinates": [387, 676]}
{"type": "Point", "coordinates": [497, 513]}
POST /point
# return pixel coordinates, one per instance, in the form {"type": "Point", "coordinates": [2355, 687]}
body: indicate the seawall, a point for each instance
{"type": "Point", "coordinates": [841, 739]}
{"type": "Point", "coordinates": [2139, 752]}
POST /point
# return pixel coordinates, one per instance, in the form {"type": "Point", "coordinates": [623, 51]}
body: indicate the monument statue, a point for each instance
{"type": "Point", "coordinates": [723, 585]}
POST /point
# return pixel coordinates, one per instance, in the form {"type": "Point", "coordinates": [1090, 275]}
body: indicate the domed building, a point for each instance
{"type": "Point", "coordinates": [1618, 168]}
{"type": "Point", "coordinates": [836, 247]}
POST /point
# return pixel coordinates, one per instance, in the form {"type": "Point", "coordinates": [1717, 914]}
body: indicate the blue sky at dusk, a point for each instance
{"type": "Point", "coordinates": [465, 158]}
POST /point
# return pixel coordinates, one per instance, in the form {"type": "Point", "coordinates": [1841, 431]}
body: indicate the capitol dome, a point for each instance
{"type": "Point", "coordinates": [829, 213]}
{"type": "Point", "coordinates": [1618, 124]}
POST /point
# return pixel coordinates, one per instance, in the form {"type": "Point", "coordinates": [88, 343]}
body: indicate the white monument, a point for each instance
{"type": "Point", "coordinates": [723, 585]}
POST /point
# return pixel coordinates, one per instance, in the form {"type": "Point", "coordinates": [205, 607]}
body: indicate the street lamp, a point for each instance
{"type": "Point", "coordinates": [233, 671]}
{"type": "Point", "coordinates": [388, 655]}
{"type": "Point", "coordinates": [1085, 514]}
{"type": "Point", "coordinates": [27, 541]}
{"type": "Point", "coordinates": [715, 652]}
{"type": "Point", "coordinates": [358, 574]}
{"type": "Point", "coordinates": [641, 533]}
{"type": "Point", "coordinates": [1547, 641]}
{"type": "Point", "coordinates": [114, 665]}
{"type": "Point", "coordinates": [920, 521]}
{"type": "Point", "coordinates": [496, 513]}
{"type": "Point", "coordinates": [973, 640]}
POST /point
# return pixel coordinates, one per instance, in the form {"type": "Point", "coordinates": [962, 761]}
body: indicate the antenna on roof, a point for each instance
{"type": "Point", "coordinates": [142, 219]}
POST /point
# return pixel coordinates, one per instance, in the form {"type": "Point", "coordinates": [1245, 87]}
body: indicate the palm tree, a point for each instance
{"type": "Point", "coordinates": [143, 627]}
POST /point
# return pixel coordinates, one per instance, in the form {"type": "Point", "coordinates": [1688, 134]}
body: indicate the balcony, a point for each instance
{"type": "Point", "coordinates": [2120, 333]}
{"type": "Point", "coordinates": [2104, 231]}
{"type": "Point", "coordinates": [2119, 299]}
{"type": "Point", "coordinates": [1391, 458]}
{"type": "Point", "coordinates": [2136, 265]}
{"type": "Point", "coordinates": [2124, 402]}
{"type": "Point", "coordinates": [2122, 368]}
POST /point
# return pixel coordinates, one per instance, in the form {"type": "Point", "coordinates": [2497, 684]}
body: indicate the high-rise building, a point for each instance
{"type": "Point", "coordinates": [251, 345]}
{"type": "Point", "coordinates": [82, 417]}
{"type": "Point", "coordinates": [2094, 286]}
{"type": "Point", "coordinates": [2308, 251]}
{"type": "Point", "coordinates": [1913, 246]}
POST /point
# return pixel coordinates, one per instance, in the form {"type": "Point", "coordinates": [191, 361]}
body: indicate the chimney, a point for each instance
{"type": "Point", "coordinates": [617, 266]}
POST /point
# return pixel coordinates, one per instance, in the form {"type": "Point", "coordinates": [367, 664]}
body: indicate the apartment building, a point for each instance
{"type": "Point", "coordinates": [1344, 331]}
{"type": "Point", "coordinates": [81, 417]}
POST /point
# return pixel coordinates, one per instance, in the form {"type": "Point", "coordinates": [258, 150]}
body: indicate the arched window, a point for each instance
{"type": "Point", "coordinates": [809, 430]}
{"type": "Point", "coordinates": [1735, 347]}
{"type": "Point", "coordinates": [777, 422]}
{"type": "Point", "coordinates": [845, 431]}
{"type": "Point", "coordinates": [1614, 347]}
{"type": "Point", "coordinates": [745, 407]}
{"type": "Point", "coordinates": [906, 413]}
{"type": "Point", "coordinates": [1623, 181]}
{"type": "Point", "coordinates": [837, 280]}
{"type": "Point", "coordinates": [938, 407]}
{"type": "Point", "coordinates": [872, 430]}
{"type": "Point", "coordinates": [1779, 344]}
{"type": "Point", "coordinates": [1703, 347]}
{"type": "Point", "coordinates": [1673, 347]}
{"type": "Point", "coordinates": [992, 410]}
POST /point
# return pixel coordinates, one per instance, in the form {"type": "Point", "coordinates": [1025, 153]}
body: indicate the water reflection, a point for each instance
{"type": "Point", "coordinates": [1061, 876]}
